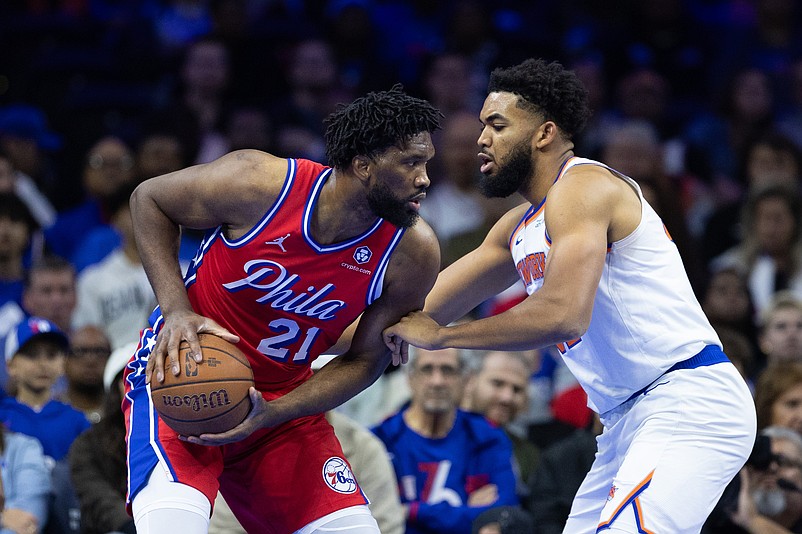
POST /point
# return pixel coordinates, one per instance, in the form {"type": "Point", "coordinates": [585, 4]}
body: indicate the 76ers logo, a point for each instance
{"type": "Point", "coordinates": [338, 475]}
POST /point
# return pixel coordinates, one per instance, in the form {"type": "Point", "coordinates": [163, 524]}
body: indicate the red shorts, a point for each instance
{"type": "Point", "coordinates": [275, 481]}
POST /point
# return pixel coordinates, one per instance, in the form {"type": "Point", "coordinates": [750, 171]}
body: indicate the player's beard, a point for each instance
{"type": "Point", "coordinates": [770, 502]}
{"type": "Point", "coordinates": [389, 207]}
{"type": "Point", "coordinates": [511, 175]}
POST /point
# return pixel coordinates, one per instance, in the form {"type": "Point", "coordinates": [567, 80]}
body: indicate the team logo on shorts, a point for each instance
{"type": "Point", "coordinates": [362, 255]}
{"type": "Point", "coordinates": [611, 494]}
{"type": "Point", "coordinates": [338, 475]}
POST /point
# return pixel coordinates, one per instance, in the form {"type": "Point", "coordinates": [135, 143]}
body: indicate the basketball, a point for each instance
{"type": "Point", "coordinates": [207, 397]}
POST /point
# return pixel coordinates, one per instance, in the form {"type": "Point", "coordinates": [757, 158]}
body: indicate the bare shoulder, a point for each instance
{"type": "Point", "coordinates": [234, 190]}
{"type": "Point", "coordinates": [589, 185]}
{"type": "Point", "coordinates": [254, 169]}
{"type": "Point", "coordinates": [419, 246]}
{"type": "Point", "coordinates": [592, 193]}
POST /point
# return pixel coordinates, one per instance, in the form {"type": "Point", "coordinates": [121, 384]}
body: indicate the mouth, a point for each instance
{"type": "Point", "coordinates": [487, 162]}
{"type": "Point", "coordinates": [414, 202]}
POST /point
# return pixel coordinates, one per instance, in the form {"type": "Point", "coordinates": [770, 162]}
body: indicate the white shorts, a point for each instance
{"type": "Point", "coordinates": [666, 456]}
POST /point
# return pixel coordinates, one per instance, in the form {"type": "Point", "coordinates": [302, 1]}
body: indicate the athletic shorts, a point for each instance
{"type": "Point", "coordinates": [275, 481]}
{"type": "Point", "coordinates": [666, 455]}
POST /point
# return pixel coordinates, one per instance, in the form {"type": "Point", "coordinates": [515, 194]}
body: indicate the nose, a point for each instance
{"type": "Point", "coordinates": [422, 180]}
{"type": "Point", "coordinates": [484, 139]}
{"type": "Point", "coordinates": [506, 395]}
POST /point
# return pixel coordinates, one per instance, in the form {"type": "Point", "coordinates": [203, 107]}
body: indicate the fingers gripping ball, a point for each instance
{"type": "Point", "coordinates": [209, 397]}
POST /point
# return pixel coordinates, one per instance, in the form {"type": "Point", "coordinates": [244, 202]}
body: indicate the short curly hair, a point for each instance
{"type": "Point", "coordinates": [547, 88]}
{"type": "Point", "coordinates": [375, 122]}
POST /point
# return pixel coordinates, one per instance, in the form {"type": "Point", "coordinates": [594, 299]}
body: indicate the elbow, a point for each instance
{"type": "Point", "coordinates": [571, 325]}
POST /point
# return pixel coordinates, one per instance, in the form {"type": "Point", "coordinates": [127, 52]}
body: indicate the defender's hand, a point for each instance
{"type": "Point", "coordinates": [417, 329]}
{"type": "Point", "coordinates": [180, 327]}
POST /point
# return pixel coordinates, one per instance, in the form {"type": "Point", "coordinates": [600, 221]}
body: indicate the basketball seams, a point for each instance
{"type": "Point", "coordinates": [206, 419]}
{"type": "Point", "coordinates": [194, 382]}
{"type": "Point", "coordinates": [241, 360]}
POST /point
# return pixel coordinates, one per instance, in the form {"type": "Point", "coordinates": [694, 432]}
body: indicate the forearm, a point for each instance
{"type": "Point", "coordinates": [335, 383]}
{"type": "Point", "coordinates": [520, 328]}
{"type": "Point", "coordinates": [158, 239]}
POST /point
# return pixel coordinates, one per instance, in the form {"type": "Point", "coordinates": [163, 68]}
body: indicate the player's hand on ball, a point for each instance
{"type": "Point", "coordinates": [178, 327]}
{"type": "Point", "coordinates": [257, 418]}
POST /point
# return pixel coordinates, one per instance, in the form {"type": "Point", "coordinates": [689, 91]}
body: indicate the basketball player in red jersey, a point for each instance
{"type": "Point", "coordinates": [299, 250]}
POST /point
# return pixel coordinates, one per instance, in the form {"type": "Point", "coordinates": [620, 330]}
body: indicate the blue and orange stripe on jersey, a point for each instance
{"type": "Point", "coordinates": [531, 214]}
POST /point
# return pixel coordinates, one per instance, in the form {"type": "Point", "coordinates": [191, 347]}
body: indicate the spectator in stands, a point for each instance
{"type": "Point", "coordinates": [771, 250]}
{"type": "Point", "coordinates": [718, 136]}
{"type": "Point", "coordinates": [159, 152]}
{"type": "Point", "coordinates": [49, 291]}
{"type": "Point", "coordinates": [25, 484]}
{"type": "Point", "coordinates": [314, 90]}
{"type": "Point", "coordinates": [28, 141]}
{"type": "Point", "coordinates": [781, 329]}
{"type": "Point", "coordinates": [16, 228]}
{"type": "Point", "coordinates": [778, 396]}
{"type": "Point", "coordinates": [115, 294]}
{"type": "Point", "coordinates": [727, 303]}
{"type": "Point", "coordinates": [451, 465]}
{"type": "Point", "coordinates": [35, 352]}
{"type": "Point", "coordinates": [771, 159]}
{"type": "Point", "coordinates": [199, 105]}
{"type": "Point", "coordinates": [498, 389]}
{"type": "Point", "coordinates": [769, 497]}
{"type": "Point", "coordinates": [13, 181]}
{"type": "Point", "coordinates": [109, 166]}
{"type": "Point", "coordinates": [89, 352]}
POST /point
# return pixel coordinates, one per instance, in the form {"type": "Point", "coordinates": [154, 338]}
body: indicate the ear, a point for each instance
{"type": "Point", "coordinates": [361, 167]}
{"type": "Point", "coordinates": [546, 134]}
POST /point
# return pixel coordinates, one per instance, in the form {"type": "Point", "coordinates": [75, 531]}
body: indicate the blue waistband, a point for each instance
{"type": "Point", "coordinates": [710, 355]}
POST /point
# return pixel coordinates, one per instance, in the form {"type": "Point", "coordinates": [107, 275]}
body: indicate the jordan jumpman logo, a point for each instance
{"type": "Point", "coordinates": [279, 241]}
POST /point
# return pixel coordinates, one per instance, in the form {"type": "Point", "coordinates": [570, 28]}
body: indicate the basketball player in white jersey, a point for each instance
{"type": "Point", "coordinates": [607, 286]}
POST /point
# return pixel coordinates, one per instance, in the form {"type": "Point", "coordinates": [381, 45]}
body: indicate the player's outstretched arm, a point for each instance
{"type": "Point", "coordinates": [233, 191]}
{"type": "Point", "coordinates": [578, 217]}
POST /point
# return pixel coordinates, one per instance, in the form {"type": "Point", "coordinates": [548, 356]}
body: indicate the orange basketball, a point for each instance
{"type": "Point", "coordinates": [207, 397]}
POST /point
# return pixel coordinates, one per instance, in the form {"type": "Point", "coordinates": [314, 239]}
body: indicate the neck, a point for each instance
{"type": "Point", "coordinates": [544, 172]}
{"type": "Point", "coordinates": [11, 268]}
{"type": "Point", "coordinates": [34, 399]}
{"type": "Point", "coordinates": [341, 211]}
{"type": "Point", "coordinates": [428, 424]}
{"type": "Point", "coordinates": [85, 398]}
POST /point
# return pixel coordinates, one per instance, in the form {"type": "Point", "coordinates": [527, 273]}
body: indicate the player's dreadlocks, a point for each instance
{"type": "Point", "coordinates": [549, 89]}
{"type": "Point", "coordinates": [376, 122]}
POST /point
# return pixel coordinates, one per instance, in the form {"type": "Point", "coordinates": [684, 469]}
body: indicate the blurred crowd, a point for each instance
{"type": "Point", "coordinates": [700, 101]}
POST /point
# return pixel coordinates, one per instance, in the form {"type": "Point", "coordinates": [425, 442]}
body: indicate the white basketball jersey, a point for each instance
{"type": "Point", "coordinates": [645, 315]}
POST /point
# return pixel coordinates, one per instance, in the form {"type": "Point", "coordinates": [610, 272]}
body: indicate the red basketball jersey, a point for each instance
{"type": "Point", "coordinates": [286, 296]}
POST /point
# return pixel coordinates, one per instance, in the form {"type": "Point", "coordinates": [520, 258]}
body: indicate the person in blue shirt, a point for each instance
{"type": "Point", "coordinates": [451, 465]}
{"type": "Point", "coordinates": [25, 484]}
{"type": "Point", "coordinates": [35, 352]}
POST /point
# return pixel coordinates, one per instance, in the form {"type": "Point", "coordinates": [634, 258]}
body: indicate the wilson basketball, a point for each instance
{"type": "Point", "coordinates": [207, 397]}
